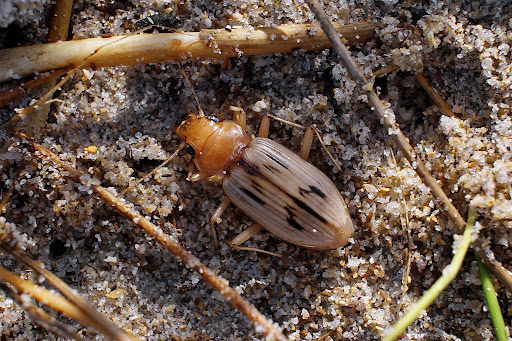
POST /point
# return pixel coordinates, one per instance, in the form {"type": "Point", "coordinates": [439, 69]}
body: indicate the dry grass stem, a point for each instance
{"type": "Point", "coordinates": [487, 256]}
{"type": "Point", "coordinates": [58, 30]}
{"type": "Point", "coordinates": [47, 96]}
{"type": "Point", "coordinates": [99, 321]}
{"type": "Point", "coordinates": [387, 118]}
{"type": "Point", "coordinates": [261, 323]}
{"type": "Point", "coordinates": [385, 70]}
{"type": "Point", "coordinates": [59, 21]}
{"type": "Point", "coordinates": [5, 198]}
{"type": "Point", "coordinates": [40, 316]}
{"type": "Point", "coordinates": [438, 100]}
{"type": "Point", "coordinates": [156, 48]}
{"type": "Point", "coordinates": [40, 102]}
{"type": "Point", "coordinates": [55, 301]}
{"type": "Point", "coordinates": [15, 93]}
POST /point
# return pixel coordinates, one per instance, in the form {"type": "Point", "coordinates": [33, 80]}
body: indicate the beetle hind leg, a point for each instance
{"type": "Point", "coordinates": [245, 235]}
{"type": "Point", "coordinates": [307, 141]}
{"type": "Point", "coordinates": [311, 130]}
{"type": "Point", "coordinates": [216, 218]}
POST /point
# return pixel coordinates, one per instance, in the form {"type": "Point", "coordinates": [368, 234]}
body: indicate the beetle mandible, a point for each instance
{"type": "Point", "coordinates": [282, 192]}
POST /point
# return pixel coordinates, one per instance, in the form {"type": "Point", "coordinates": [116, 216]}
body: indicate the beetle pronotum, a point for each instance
{"type": "Point", "coordinates": [280, 191]}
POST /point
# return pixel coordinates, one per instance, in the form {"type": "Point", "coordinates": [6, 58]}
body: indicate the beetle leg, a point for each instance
{"type": "Point", "coordinates": [314, 130]}
{"type": "Point", "coordinates": [216, 218]}
{"type": "Point", "coordinates": [245, 235]}
{"type": "Point", "coordinates": [264, 126]}
{"type": "Point", "coordinates": [307, 141]}
{"type": "Point", "coordinates": [239, 116]}
{"type": "Point", "coordinates": [198, 176]}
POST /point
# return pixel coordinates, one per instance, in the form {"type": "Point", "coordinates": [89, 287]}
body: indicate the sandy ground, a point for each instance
{"type": "Point", "coordinates": [353, 293]}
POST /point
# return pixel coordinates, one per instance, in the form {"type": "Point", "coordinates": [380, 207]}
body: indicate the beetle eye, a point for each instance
{"type": "Point", "coordinates": [189, 150]}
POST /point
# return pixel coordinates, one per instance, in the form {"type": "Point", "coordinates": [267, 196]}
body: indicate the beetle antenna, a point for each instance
{"type": "Point", "coordinates": [200, 111]}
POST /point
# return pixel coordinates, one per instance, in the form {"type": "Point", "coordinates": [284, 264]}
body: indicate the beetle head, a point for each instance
{"type": "Point", "coordinates": [195, 130]}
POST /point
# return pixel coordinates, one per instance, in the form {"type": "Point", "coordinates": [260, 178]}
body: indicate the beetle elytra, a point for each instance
{"type": "Point", "coordinates": [282, 192]}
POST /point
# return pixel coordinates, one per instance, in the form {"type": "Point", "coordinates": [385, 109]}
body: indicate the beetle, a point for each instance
{"type": "Point", "coordinates": [282, 192]}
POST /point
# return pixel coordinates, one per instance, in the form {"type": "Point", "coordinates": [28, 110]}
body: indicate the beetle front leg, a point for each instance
{"type": "Point", "coordinates": [245, 235]}
{"type": "Point", "coordinates": [216, 218]}
{"type": "Point", "coordinates": [198, 176]}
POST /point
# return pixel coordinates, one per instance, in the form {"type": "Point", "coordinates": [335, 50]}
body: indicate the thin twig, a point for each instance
{"type": "Point", "coordinates": [43, 100]}
{"type": "Point", "coordinates": [59, 21]}
{"type": "Point", "coordinates": [96, 319]}
{"type": "Point", "coordinates": [385, 70]}
{"type": "Point", "coordinates": [12, 94]}
{"type": "Point", "coordinates": [58, 30]}
{"type": "Point", "coordinates": [156, 48]}
{"type": "Point", "coordinates": [261, 323]}
{"type": "Point", "coordinates": [54, 301]}
{"type": "Point", "coordinates": [438, 100]}
{"type": "Point", "coordinates": [460, 249]}
{"type": "Point", "coordinates": [387, 117]}
{"type": "Point", "coordinates": [40, 316]}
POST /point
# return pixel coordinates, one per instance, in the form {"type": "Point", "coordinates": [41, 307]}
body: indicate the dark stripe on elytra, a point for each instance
{"type": "Point", "coordinates": [252, 196]}
{"type": "Point", "coordinates": [293, 223]}
{"type": "Point", "coordinates": [313, 189]}
{"type": "Point", "coordinates": [308, 209]}
{"type": "Point", "coordinates": [291, 219]}
{"type": "Point", "coordinates": [256, 186]}
{"type": "Point", "coordinates": [271, 169]}
{"type": "Point", "coordinates": [276, 160]}
{"type": "Point", "coordinates": [250, 168]}
{"type": "Point", "coordinates": [289, 211]}
{"type": "Point", "coordinates": [317, 191]}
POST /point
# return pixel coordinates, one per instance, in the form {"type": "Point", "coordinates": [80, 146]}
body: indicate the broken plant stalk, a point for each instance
{"type": "Point", "coordinates": [58, 30]}
{"type": "Point", "coordinates": [57, 302]}
{"type": "Point", "coordinates": [12, 94]}
{"type": "Point", "coordinates": [135, 49]}
{"type": "Point", "coordinates": [40, 316]}
{"type": "Point", "coordinates": [86, 312]}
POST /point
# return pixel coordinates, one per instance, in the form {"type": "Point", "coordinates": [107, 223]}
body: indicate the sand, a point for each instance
{"type": "Point", "coordinates": [353, 293]}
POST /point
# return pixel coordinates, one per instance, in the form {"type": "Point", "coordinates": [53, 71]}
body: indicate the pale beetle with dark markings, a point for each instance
{"type": "Point", "coordinates": [282, 192]}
